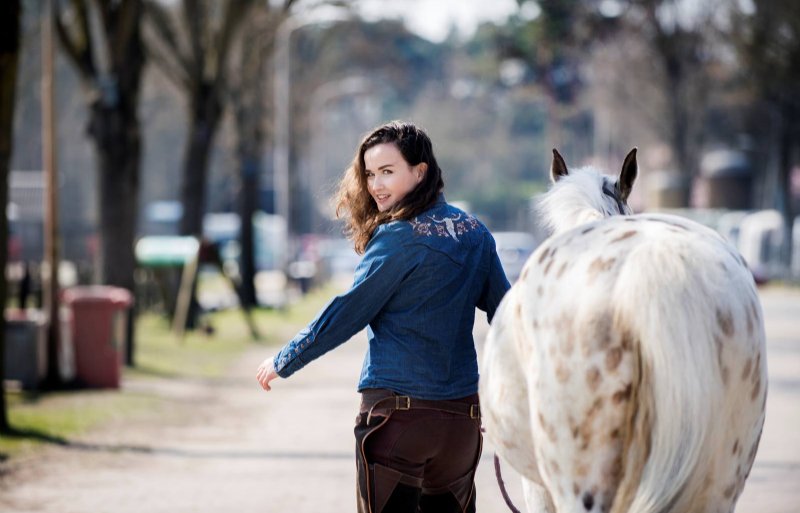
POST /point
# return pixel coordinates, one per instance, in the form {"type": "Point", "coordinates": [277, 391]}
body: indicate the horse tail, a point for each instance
{"type": "Point", "coordinates": [662, 305]}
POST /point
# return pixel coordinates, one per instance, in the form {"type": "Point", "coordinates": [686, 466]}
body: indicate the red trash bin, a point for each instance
{"type": "Point", "coordinates": [99, 327]}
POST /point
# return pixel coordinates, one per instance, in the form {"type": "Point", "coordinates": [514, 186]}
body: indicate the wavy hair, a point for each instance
{"type": "Point", "coordinates": [354, 203]}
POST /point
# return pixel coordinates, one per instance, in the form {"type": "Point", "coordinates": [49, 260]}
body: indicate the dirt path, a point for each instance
{"type": "Point", "coordinates": [229, 446]}
{"type": "Point", "coordinates": [224, 446]}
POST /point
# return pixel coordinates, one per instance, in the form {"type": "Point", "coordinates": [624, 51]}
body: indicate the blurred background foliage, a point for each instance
{"type": "Point", "coordinates": [594, 78]}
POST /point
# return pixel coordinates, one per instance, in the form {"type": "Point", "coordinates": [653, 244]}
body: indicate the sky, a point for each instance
{"type": "Point", "coordinates": [432, 19]}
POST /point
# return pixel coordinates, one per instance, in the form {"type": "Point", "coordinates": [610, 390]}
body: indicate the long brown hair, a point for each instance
{"type": "Point", "coordinates": [356, 205]}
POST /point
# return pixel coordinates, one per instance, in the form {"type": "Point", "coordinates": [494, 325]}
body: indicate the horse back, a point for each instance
{"type": "Point", "coordinates": [641, 344]}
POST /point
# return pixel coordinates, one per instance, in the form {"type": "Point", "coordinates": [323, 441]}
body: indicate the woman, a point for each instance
{"type": "Point", "coordinates": [426, 266]}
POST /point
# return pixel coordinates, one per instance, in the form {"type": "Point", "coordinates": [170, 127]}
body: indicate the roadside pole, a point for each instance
{"type": "Point", "coordinates": [51, 245]}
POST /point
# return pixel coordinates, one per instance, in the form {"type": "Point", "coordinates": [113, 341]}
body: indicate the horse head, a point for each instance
{"type": "Point", "coordinates": [585, 194]}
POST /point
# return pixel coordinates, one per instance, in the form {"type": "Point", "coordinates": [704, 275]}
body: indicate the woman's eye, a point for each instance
{"type": "Point", "coordinates": [387, 171]}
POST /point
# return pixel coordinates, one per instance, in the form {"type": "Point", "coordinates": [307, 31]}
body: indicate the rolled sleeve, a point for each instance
{"type": "Point", "coordinates": [385, 265]}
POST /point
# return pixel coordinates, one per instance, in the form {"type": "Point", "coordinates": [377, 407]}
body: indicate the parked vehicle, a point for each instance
{"type": "Point", "coordinates": [514, 248]}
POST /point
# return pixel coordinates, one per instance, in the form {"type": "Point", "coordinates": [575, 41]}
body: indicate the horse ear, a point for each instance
{"type": "Point", "coordinates": [558, 169]}
{"type": "Point", "coordinates": [630, 169]}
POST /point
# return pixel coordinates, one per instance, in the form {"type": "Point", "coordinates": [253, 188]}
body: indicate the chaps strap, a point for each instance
{"type": "Point", "coordinates": [404, 402]}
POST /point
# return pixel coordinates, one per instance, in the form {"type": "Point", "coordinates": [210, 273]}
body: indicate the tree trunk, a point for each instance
{"type": "Point", "coordinates": [118, 143]}
{"type": "Point", "coordinates": [205, 116]}
{"type": "Point", "coordinates": [250, 108]}
{"type": "Point", "coordinates": [248, 198]}
{"type": "Point", "coordinates": [9, 53]}
{"type": "Point", "coordinates": [114, 127]}
{"type": "Point", "coordinates": [679, 104]}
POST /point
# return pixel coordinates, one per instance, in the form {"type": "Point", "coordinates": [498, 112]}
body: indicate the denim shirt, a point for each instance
{"type": "Point", "coordinates": [415, 290]}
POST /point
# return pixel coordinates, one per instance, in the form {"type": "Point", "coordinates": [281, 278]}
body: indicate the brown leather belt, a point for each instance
{"type": "Point", "coordinates": [404, 402]}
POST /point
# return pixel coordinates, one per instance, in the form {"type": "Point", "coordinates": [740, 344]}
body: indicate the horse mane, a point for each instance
{"type": "Point", "coordinates": [573, 200]}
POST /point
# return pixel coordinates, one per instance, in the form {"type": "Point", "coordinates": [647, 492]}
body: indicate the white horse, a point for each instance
{"type": "Point", "coordinates": [625, 371]}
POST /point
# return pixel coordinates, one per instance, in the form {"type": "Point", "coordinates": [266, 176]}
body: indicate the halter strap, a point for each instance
{"type": "Point", "coordinates": [612, 194]}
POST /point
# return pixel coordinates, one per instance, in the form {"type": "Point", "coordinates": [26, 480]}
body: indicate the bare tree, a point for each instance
{"type": "Point", "coordinates": [249, 97]}
{"type": "Point", "coordinates": [679, 47]}
{"type": "Point", "coordinates": [767, 39]}
{"type": "Point", "coordinates": [670, 42]}
{"type": "Point", "coordinates": [103, 41]}
{"type": "Point", "coordinates": [192, 48]}
{"type": "Point", "coordinates": [9, 57]}
{"type": "Point", "coordinates": [556, 45]}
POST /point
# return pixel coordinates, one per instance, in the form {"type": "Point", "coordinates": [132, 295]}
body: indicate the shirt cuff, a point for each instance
{"type": "Point", "coordinates": [289, 360]}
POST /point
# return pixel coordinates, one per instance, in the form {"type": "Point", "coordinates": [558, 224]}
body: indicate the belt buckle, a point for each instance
{"type": "Point", "coordinates": [474, 411]}
{"type": "Point", "coordinates": [402, 402]}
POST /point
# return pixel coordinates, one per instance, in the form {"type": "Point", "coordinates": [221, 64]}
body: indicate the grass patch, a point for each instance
{"type": "Point", "coordinates": [55, 417]}
{"type": "Point", "coordinates": [199, 355]}
{"type": "Point", "coordinates": [160, 353]}
{"type": "Point", "coordinates": [278, 326]}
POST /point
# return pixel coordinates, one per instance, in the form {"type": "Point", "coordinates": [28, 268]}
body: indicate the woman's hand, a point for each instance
{"type": "Point", "coordinates": [266, 373]}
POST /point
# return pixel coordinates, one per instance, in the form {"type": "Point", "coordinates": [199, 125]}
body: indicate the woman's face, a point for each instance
{"type": "Point", "coordinates": [389, 176]}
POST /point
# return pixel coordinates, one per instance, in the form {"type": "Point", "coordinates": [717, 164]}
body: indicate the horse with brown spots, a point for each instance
{"type": "Point", "coordinates": [647, 416]}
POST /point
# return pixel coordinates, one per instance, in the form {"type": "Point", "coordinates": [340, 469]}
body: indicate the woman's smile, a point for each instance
{"type": "Point", "coordinates": [389, 177]}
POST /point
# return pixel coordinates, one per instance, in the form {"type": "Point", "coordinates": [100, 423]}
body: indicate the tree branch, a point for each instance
{"type": "Point", "coordinates": [196, 20]}
{"type": "Point", "coordinates": [129, 14]}
{"type": "Point", "coordinates": [234, 15]}
{"type": "Point", "coordinates": [166, 63]}
{"type": "Point", "coordinates": [106, 12]}
{"type": "Point", "coordinates": [80, 55]}
{"type": "Point", "coordinates": [164, 32]}
{"type": "Point", "coordinates": [82, 12]}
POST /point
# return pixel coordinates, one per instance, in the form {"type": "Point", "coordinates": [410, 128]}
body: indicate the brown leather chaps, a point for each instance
{"type": "Point", "coordinates": [416, 455]}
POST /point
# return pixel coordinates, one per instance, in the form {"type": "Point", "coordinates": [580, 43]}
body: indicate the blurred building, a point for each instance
{"type": "Point", "coordinates": [25, 212]}
{"type": "Point", "coordinates": [726, 180]}
{"type": "Point", "coordinates": [667, 189]}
